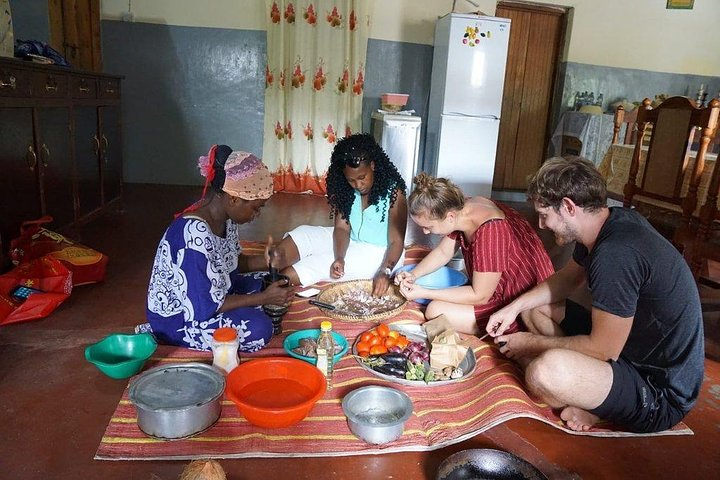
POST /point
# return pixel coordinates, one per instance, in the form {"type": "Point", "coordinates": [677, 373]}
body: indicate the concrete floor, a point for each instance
{"type": "Point", "coordinates": [54, 406]}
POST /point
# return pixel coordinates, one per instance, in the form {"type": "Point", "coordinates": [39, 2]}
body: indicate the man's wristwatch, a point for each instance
{"type": "Point", "coordinates": [387, 271]}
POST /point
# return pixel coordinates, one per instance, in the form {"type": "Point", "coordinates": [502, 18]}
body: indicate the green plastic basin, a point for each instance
{"type": "Point", "coordinates": [121, 355]}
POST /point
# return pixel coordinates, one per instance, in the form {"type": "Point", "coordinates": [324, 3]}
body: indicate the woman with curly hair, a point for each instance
{"type": "Point", "coordinates": [366, 194]}
{"type": "Point", "coordinates": [504, 256]}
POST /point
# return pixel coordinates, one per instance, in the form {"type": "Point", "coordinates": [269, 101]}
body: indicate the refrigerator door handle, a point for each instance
{"type": "Point", "coordinates": [460, 114]}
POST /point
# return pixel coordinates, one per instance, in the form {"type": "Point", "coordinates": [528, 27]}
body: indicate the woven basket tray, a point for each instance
{"type": "Point", "coordinates": [332, 293]}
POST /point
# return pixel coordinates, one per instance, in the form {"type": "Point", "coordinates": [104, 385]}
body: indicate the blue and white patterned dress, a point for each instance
{"type": "Point", "coordinates": [193, 272]}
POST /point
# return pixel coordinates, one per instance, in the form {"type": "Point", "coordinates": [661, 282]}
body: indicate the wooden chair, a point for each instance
{"type": "Point", "coordinates": [713, 146]}
{"type": "Point", "coordinates": [628, 119]}
{"type": "Point", "coordinates": [666, 161]}
{"type": "Point", "coordinates": [706, 248]}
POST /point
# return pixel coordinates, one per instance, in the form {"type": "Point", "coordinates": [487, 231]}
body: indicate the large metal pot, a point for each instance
{"type": "Point", "coordinates": [486, 463]}
{"type": "Point", "coordinates": [177, 401]}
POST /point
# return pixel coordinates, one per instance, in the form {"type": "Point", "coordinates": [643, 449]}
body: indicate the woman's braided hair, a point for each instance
{"type": "Point", "coordinates": [351, 152]}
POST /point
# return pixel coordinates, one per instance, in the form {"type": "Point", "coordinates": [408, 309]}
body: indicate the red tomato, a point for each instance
{"type": "Point", "coordinates": [378, 350]}
{"type": "Point", "coordinates": [365, 337]}
{"type": "Point", "coordinates": [383, 330]}
{"type": "Point", "coordinates": [363, 347]}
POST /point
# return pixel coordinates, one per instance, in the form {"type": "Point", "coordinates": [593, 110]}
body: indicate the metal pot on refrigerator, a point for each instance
{"type": "Point", "coordinates": [177, 401]}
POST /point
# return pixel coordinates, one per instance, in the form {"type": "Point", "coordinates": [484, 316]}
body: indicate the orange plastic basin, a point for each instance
{"type": "Point", "coordinates": [275, 392]}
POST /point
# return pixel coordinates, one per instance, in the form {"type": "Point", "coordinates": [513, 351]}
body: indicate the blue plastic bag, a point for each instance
{"type": "Point", "coordinates": [26, 48]}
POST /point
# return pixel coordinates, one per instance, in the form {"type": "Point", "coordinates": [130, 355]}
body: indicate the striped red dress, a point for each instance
{"type": "Point", "coordinates": [510, 246]}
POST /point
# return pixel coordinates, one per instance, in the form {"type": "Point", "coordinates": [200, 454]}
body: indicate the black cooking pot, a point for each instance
{"type": "Point", "coordinates": [486, 463]}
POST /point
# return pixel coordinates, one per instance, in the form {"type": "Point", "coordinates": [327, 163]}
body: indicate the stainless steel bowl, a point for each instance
{"type": "Point", "coordinates": [377, 414]}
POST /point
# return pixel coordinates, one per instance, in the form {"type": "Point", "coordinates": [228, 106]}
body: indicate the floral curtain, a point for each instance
{"type": "Point", "coordinates": [314, 80]}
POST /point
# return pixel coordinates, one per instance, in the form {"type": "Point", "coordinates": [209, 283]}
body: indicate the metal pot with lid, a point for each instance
{"type": "Point", "coordinates": [177, 401]}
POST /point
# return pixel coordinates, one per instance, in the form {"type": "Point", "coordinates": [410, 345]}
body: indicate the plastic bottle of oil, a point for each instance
{"type": "Point", "coordinates": [326, 352]}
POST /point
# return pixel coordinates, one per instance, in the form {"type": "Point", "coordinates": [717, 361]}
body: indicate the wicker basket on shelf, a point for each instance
{"type": "Point", "coordinates": [332, 293]}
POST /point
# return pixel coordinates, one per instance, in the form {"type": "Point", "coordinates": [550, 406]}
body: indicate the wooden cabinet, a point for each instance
{"type": "Point", "coordinates": [19, 187]}
{"type": "Point", "coordinates": [111, 153]}
{"type": "Point", "coordinates": [87, 159]}
{"type": "Point", "coordinates": [60, 145]}
{"type": "Point", "coordinates": [55, 163]}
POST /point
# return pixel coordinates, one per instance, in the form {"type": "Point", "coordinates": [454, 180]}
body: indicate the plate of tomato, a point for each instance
{"type": "Point", "coordinates": [401, 342]}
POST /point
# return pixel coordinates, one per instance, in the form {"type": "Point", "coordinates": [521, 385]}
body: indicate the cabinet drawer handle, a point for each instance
{"type": "Point", "coordinates": [31, 158]}
{"type": "Point", "coordinates": [84, 89]}
{"type": "Point", "coordinates": [44, 155]}
{"type": "Point", "coordinates": [97, 144]}
{"type": "Point", "coordinates": [109, 90]}
{"type": "Point", "coordinates": [10, 83]}
{"type": "Point", "coordinates": [105, 148]}
{"type": "Point", "coordinates": [51, 87]}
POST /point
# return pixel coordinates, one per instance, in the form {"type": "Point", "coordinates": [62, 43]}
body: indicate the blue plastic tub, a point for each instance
{"type": "Point", "coordinates": [443, 277]}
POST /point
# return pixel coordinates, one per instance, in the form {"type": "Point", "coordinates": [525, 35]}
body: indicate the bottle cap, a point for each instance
{"type": "Point", "coordinates": [225, 334]}
{"type": "Point", "coordinates": [325, 325]}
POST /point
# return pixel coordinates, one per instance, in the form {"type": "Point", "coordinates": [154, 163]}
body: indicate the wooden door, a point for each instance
{"type": "Point", "coordinates": [56, 164]}
{"type": "Point", "coordinates": [75, 32]}
{"type": "Point", "coordinates": [537, 34]}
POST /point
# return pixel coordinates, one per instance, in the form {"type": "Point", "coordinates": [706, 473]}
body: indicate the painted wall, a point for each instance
{"type": "Point", "coordinates": [637, 34]}
{"type": "Point", "coordinates": [185, 89]}
{"type": "Point", "coordinates": [30, 20]}
{"type": "Point", "coordinates": [182, 93]}
{"type": "Point", "coordinates": [194, 75]}
{"type": "Point", "coordinates": [616, 33]}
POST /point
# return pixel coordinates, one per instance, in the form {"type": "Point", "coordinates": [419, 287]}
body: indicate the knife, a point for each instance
{"type": "Point", "coordinates": [324, 305]}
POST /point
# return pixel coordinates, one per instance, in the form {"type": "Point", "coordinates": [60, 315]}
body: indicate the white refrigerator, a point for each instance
{"type": "Point", "coordinates": [466, 90]}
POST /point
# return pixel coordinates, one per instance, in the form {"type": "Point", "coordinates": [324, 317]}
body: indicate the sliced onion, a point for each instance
{"type": "Point", "coordinates": [416, 358]}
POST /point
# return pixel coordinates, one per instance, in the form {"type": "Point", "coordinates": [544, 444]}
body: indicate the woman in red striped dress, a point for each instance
{"type": "Point", "coordinates": [504, 257]}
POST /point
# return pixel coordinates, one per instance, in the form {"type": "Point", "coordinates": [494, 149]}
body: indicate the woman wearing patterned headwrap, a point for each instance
{"type": "Point", "coordinates": [197, 282]}
{"type": "Point", "coordinates": [366, 194]}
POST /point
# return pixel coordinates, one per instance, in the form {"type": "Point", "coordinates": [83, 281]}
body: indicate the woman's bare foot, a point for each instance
{"type": "Point", "coordinates": [578, 419]}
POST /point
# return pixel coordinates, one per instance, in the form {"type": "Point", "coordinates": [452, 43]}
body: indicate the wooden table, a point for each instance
{"type": "Point", "coordinates": [615, 167]}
